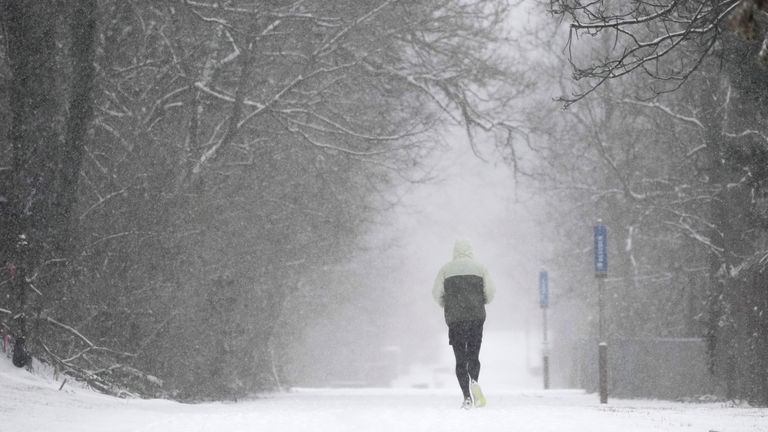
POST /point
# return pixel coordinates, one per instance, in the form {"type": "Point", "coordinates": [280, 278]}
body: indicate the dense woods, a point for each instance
{"type": "Point", "coordinates": [664, 139]}
{"type": "Point", "coordinates": [175, 172]}
{"type": "Point", "coordinates": [183, 182]}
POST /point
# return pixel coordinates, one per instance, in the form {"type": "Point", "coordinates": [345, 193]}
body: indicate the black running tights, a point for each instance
{"type": "Point", "coordinates": [467, 363]}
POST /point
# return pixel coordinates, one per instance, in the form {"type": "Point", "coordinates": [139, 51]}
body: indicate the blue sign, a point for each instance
{"type": "Point", "coordinates": [543, 289]}
{"type": "Point", "coordinates": [601, 250]}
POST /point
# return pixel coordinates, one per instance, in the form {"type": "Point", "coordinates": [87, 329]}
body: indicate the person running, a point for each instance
{"type": "Point", "coordinates": [463, 288]}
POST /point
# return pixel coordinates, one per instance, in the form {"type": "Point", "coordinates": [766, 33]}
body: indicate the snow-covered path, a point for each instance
{"type": "Point", "coordinates": [31, 403]}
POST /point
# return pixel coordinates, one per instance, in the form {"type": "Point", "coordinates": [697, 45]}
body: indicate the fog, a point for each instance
{"type": "Point", "coordinates": [481, 202]}
{"type": "Point", "coordinates": [468, 198]}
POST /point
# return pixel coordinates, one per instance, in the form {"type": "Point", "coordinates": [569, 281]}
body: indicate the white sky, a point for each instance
{"type": "Point", "coordinates": [478, 201]}
{"type": "Point", "coordinates": [471, 199]}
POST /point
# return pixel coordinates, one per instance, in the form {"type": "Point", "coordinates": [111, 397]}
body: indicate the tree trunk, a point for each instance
{"type": "Point", "coordinates": [724, 240]}
{"type": "Point", "coordinates": [34, 136]}
{"type": "Point", "coordinates": [43, 185]}
{"type": "Point", "coordinates": [83, 31]}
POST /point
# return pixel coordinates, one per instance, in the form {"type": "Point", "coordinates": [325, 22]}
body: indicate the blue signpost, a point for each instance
{"type": "Point", "coordinates": [601, 250]}
{"type": "Point", "coordinates": [543, 289]}
{"type": "Point", "coordinates": [601, 272]}
{"type": "Point", "coordinates": [544, 303]}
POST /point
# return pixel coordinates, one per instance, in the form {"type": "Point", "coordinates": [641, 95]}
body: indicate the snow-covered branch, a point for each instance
{"type": "Point", "coordinates": [227, 98]}
{"type": "Point", "coordinates": [102, 200]}
{"type": "Point", "coordinates": [118, 235]}
{"type": "Point", "coordinates": [693, 121]}
{"type": "Point", "coordinates": [328, 46]}
{"type": "Point", "coordinates": [609, 22]}
{"type": "Point", "coordinates": [332, 147]}
{"type": "Point", "coordinates": [748, 132]}
{"type": "Point", "coordinates": [701, 238]}
{"type": "Point", "coordinates": [228, 8]}
{"type": "Point", "coordinates": [71, 330]}
{"type": "Point", "coordinates": [645, 36]}
{"type": "Point", "coordinates": [337, 128]}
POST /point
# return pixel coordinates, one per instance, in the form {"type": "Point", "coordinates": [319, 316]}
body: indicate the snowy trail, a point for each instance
{"type": "Point", "coordinates": [33, 403]}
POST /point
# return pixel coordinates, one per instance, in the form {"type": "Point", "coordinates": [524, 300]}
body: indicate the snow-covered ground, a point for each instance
{"type": "Point", "coordinates": [34, 403]}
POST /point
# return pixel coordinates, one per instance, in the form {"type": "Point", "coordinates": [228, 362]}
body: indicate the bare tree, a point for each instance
{"type": "Point", "coordinates": [237, 148]}
{"type": "Point", "coordinates": [666, 41]}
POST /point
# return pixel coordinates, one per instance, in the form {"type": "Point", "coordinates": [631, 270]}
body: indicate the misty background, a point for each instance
{"type": "Point", "coordinates": [468, 199]}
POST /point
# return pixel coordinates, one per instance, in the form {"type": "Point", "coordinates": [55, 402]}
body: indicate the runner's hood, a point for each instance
{"type": "Point", "coordinates": [462, 249]}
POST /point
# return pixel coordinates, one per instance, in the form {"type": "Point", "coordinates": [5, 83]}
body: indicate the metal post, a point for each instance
{"type": "Point", "coordinates": [545, 353]}
{"type": "Point", "coordinates": [601, 309]}
{"type": "Point", "coordinates": [544, 303]}
{"type": "Point", "coordinates": [601, 272]}
{"type": "Point", "coordinates": [19, 274]}
{"type": "Point", "coordinates": [602, 345]}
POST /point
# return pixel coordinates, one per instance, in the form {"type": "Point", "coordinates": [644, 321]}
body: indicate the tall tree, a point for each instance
{"type": "Point", "coordinates": [666, 41]}
{"type": "Point", "coordinates": [30, 219]}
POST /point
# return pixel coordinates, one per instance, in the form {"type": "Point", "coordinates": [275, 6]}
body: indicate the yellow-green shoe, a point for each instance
{"type": "Point", "coordinates": [477, 394]}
